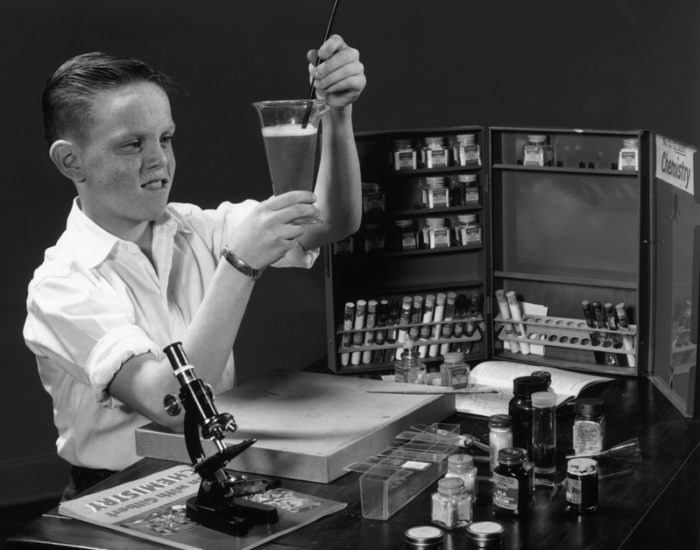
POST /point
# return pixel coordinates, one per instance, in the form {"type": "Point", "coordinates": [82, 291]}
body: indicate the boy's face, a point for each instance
{"type": "Point", "coordinates": [127, 158]}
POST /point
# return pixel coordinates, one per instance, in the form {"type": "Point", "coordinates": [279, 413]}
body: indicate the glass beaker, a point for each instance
{"type": "Point", "coordinates": [290, 132]}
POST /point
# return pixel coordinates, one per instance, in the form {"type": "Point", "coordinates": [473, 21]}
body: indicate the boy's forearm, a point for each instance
{"type": "Point", "coordinates": [338, 185]}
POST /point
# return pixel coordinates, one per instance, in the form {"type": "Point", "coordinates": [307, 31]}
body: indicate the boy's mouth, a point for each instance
{"type": "Point", "coordinates": [155, 184]}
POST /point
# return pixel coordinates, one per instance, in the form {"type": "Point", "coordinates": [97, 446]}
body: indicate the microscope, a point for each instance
{"type": "Point", "coordinates": [220, 503]}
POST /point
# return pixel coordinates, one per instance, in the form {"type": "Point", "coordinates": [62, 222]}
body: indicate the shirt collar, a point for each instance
{"type": "Point", "coordinates": [93, 243]}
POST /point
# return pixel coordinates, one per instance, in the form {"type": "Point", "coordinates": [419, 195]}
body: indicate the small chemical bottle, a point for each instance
{"type": "Point", "coordinates": [406, 236]}
{"type": "Point", "coordinates": [409, 369]}
{"type": "Point", "coordinates": [452, 505]}
{"type": "Point", "coordinates": [423, 537]}
{"type": "Point", "coordinates": [461, 465]}
{"type": "Point", "coordinates": [465, 151]}
{"type": "Point", "coordinates": [500, 436]}
{"type": "Point", "coordinates": [589, 426]}
{"type": "Point", "coordinates": [405, 156]}
{"type": "Point", "coordinates": [544, 437]}
{"type": "Point", "coordinates": [628, 159]}
{"type": "Point", "coordinates": [582, 485]}
{"type": "Point", "coordinates": [436, 233]}
{"type": "Point", "coordinates": [484, 535]}
{"type": "Point", "coordinates": [435, 193]}
{"type": "Point", "coordinates": [434, 153]}
{"type": "Point", "coordinates": [454, 371]}
{"type": "Point", "coordinates": [511, 483]}
{"type": "Point", "coordinates": [468, 230]}
{"type": "Point", "coordinates": [520, 408]}
{"type": "Point", "coordinates": [537, 151]}
{"type": "Point", "coordinates": [471, 188]}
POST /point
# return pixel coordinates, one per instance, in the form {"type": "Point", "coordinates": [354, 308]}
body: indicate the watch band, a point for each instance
{"type": "Point", "coordinates": [240, 265]}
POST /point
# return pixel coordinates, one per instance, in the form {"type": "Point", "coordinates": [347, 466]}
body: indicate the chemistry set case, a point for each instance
{"type": "Point", "coordinates": [578, 228]}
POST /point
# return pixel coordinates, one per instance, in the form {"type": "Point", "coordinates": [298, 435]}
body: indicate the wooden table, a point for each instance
{"type": "Point", "coordinates": [655, 507]}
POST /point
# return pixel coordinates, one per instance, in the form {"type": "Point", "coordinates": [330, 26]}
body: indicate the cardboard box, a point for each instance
{"type": "Point", "coordinates": [309, 426]}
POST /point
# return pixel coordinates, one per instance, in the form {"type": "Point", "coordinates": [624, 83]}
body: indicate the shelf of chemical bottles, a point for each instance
{"type": "Point", "coordinates": [417, 251]}
{"type": "Point", "coordinates": [436, 170]}
{"type": "Point", "coordinates": [569, 333]}
{"type": "Point", "coordinates": [566, 170]}
{"type": "Point", "coordinates": [427, 212]}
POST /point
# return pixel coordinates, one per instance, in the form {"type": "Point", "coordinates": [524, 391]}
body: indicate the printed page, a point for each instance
{"type": "Point", "coordinates": [499, 375]}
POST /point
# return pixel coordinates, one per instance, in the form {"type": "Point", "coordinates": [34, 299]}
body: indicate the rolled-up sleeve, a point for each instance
{"type": "Point", "coordinates": [85, 331]}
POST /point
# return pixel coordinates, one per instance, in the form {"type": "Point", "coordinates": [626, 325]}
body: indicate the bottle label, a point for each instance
{"type": "Point", "coordinates": [628, 159]}
{"type": "Point", "coordinates": [471, 196]}
{"type": "Point", "coordinates": [533, 155]}
{"type": "Point", "coordinates": [470, 155]}
{"type": "Point", "coordinates": [435, 158]}
{"type": "Point", "coordinates": [505, 492]}
{"type": "Point", "coordinates": [405, 160]}
{"type": "Point", "coordinates": [573, 490]}
{"type": "Point", "coordinates": [439, 237]}
{"type": "Point", "coordinates": [438, 198]}
{"type": "Point", "coordinates": [587, 437]}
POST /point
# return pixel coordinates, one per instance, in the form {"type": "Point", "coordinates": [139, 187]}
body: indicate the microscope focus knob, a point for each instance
{"type": "Point", "coordinates": [172, 405]}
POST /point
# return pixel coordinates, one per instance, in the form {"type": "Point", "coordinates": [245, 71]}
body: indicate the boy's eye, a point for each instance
{"type": "Point", "coordinates": [133, 145]}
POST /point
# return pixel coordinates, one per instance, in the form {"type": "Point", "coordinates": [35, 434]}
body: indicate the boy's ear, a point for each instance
{"type": "Point", "coordinates": [64, 154]}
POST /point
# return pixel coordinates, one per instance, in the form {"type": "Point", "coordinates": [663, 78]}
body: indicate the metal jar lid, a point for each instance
{"type": "Point", "coordinates": [423, 534]}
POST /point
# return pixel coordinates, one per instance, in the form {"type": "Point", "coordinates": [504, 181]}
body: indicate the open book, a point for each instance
{"type": "Point", "coordinates": [499, 375]}
{"type": "Point", "coordinates": [153, 508]}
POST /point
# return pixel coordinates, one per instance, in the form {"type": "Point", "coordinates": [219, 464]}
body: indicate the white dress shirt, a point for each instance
{"type": "Point", "coordinates": [97, 301]}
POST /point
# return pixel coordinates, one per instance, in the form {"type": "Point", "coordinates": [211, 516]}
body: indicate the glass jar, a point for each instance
{"type": "Point", "coordinates": [537, 151]}
{"type": "Point", "coordinates": [435, 193]}
{"type": "Point", "coordinates": [465, 151]}
{"type": "Point", "coordinates": [468, 230]}
{"type": "Point", "coordinates": [461, 465]}
{"type": "Point", "coordinates": [405, 157]}
{"type": "Point", "coordinates": [582, 485]}
{"type": "Point", "coordinates": [520, 409]}
{"type": "Point", "coordinates": [500, 436]}
{"type": "Point", "coordinates": [589, 426]}
{"type": "Point", "coordinates": [410, 369]}
{"type": "Point", "coordinates": [628, 158]}
{"type": "Point", "coordinates": [436, 233]}
{"type": "Point", "coordinates": [373, 200]}
{"type": "Point", "coordinates": [485, 535]}
{"type": "Point", "coordinates": [434, 153]}
{"type": "Point", "coordinates": [454, 371]}
{"type": "Point", "coordinates": [544, 437]}
{"type": "Point", "coordinates": [423, 537]}
{"type": "Point", "coordinates": [471, 189]}
{"type": "Point", "coordinates": [406, 237]}
{"type": "Point", "coordinates": [452, 505]}
{"type": "Point", "coordinates": [511, 490]}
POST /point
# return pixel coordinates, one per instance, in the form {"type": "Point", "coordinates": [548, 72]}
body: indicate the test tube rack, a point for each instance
{"type": "Point", "coordinates": [394, 477]}
{"type": "Point", "coordinates": [570, 333]}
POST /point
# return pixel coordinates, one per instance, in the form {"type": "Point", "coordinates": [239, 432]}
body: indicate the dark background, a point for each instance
{"type": "Point", "coordinates": [604, 64]}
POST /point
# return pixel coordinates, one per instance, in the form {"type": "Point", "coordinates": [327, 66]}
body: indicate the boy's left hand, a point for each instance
{"type": "Point", "coordinates": [340, 76]}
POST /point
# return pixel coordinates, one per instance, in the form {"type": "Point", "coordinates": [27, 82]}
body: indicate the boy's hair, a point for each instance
{"type": "Point", "coordinates": [66, 100]}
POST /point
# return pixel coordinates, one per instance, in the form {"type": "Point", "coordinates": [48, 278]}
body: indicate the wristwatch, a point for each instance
{"type": "Point", "coordinates": [240, 265]}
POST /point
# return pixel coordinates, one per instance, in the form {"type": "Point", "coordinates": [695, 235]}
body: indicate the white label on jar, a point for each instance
{"type": "Point", "coordinates": [438, 197]}
{"type": "Point", "coordinates": [628, 159]}
{"type": "Point", "coordinates": [404, 160]}
{"type": "Point", "coordinates": [439, 237]}
{"type": "Point", "coordinates": [435, 158]}
{"type": "Point", "coordinates": [533, 155]}
{"type": "Point", "coordinates": [505, 492]}
{"type": "Point", "coordinates": [588, 437]}
{"type": "Point", "coordinates": [573, 490]}
{"type": "Point", "coordinates": [470, 155]}
{"type": "Point", "coordinates": [471, 196]}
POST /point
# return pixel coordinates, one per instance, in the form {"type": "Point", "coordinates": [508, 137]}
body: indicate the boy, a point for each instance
{"type": "Point", "coordinates": [132, 273]}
